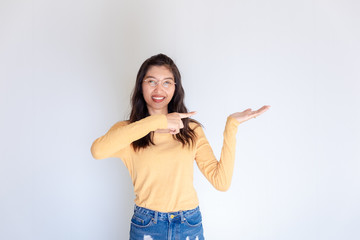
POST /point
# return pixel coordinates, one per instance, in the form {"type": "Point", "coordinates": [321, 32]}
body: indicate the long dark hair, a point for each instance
{"type": "Point", "coordinates": [139, 108]}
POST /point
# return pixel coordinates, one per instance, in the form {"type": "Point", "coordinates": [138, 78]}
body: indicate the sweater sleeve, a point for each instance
{"type": "Point", "coordinates": [122, 135]}
{"type": "Point", "coordinates": [218, 173]}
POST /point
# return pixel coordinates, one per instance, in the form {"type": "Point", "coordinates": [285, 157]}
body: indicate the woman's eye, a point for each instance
{"type": "Point", "coordinates": [168, 83]}
{"type": "Point", "coordinates": [152, 82]}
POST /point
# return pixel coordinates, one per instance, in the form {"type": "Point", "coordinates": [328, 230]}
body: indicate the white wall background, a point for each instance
{"type": "Point", "coordinates": [67, 69]}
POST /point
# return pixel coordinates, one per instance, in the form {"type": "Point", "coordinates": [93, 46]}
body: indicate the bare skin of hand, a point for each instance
{"type": "Point", "coordinates": [174, 122]}
{"type": "Point", "coordinates": [248, 113]}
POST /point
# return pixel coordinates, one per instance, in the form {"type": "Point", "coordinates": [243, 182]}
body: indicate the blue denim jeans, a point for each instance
{"type": "Point", "coordinates": [147, 224]}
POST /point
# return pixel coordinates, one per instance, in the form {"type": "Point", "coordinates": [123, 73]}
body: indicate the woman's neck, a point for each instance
{"type": "Point", "coordinates": [157, 111]}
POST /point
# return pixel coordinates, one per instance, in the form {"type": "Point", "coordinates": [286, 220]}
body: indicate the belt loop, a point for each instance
{"type": "Point", "coordinates": [156, 217]}
{"type": "Point", "coordinates": [182, 216]}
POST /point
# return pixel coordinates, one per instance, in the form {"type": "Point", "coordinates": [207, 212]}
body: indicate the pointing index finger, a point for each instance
{"type": "Point", "coordinates": [186, 115]}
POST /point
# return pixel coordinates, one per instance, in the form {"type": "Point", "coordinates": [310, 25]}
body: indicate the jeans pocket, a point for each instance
{"type": "Point", "coordinates": [194, 219]}
{"type": "Point", "coordinates": [142, 220]}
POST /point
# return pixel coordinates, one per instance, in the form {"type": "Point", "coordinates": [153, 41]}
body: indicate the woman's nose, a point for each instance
{"type": "Point", "coordinates": [159, 87]}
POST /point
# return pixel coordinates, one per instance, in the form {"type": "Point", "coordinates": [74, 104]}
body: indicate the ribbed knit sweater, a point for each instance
{"type": "Point", "coordinates": [162, 174]}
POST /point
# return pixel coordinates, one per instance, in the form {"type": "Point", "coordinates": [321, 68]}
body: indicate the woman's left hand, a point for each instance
{"type": "Point", "coordinates": [248, 113]}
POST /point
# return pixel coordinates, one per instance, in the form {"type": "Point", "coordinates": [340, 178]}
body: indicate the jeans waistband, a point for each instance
{"type": "Point", "coordinates": [165, 215]}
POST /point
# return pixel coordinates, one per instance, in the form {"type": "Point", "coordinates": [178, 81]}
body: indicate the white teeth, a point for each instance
{"type": "Point", "coordinates": [158, 98]}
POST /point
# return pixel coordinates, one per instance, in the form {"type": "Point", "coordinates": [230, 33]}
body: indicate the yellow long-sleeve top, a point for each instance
{"type": "Point", "coordinates": [162, 174]}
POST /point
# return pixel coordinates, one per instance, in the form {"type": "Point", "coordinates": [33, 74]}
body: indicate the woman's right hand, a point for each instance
{"type": "Point", "coordinates": [174, 121]}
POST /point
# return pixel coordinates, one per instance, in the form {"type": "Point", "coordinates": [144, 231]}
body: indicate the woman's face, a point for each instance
{"type": "Point", "coordinates": [158, 97]}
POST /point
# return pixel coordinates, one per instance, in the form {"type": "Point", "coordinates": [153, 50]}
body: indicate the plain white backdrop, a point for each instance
{"type": "Point", "coordinates": [67, 69]}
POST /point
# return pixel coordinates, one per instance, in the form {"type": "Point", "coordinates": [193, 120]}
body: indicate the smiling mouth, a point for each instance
{"type": "Point", "coordinates": [157, 99]}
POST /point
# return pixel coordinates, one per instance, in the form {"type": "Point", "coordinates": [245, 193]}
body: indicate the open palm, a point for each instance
{"type": "Point", "coordinates": [248, 113]}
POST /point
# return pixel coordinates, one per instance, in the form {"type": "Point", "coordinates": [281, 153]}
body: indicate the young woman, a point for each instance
{"type": "Point", "coordinates": [158, 145]}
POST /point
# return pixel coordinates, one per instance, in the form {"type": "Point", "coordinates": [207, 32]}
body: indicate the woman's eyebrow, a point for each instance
{"type": "Point", "coordinates": [157, 79]}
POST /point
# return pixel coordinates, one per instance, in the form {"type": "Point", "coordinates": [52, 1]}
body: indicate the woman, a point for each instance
{"type": "Point", "coordinates": [158, 145]}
